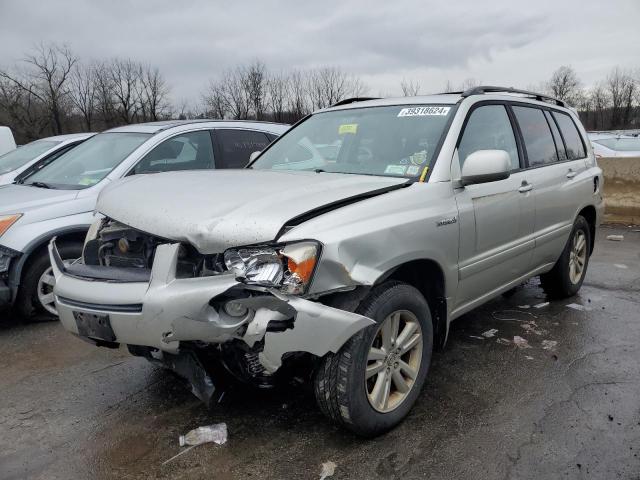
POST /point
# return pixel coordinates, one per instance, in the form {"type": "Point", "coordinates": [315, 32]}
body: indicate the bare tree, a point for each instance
{"type": "Point", "coordinates": [215, 102]}
{"type": "Point", "coordinates": [20, 107]}
{"type": "Point", "coordinates": [329, 85]}
{"type": "Point", "coordinates": [153, 92]}
{"type": "Point", "coordinates": [255, 82]}
{"type": "Point", "coordinates": [564, 84]}
{"type": "Point", "coordinates": [46, 76]}
{"type": "Point", "coordinates": [410, 88]}
{"type": "Point", "coordinates": [298, 104]}
{"type": "Point", "coordinates": [232, 88]}
{"type": "Point", "coordinates": [83, 92]}
{"type": "Point", "coordinates": [278, 87]}
{"type": "Point", "coordinates": [125, 77]}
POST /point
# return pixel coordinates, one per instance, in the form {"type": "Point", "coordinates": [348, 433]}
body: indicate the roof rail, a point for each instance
{"type": "Point", "coordinates": [347, 101]}
{"type": "Point", "coordinates": [491, 89]}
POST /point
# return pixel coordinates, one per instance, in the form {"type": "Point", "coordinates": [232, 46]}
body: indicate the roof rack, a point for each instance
{"type": "Point", "coordinates": [347, 101]}
{"type": "Point", "coordinates": [490, 89]}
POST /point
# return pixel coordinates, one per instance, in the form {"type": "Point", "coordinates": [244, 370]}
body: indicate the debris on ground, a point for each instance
{"type": "Point", "coordinates": [328, 469]}
{"type": "Point", "coordinates": [620, 265]}
{"type": "Point", "coordinates": [532, 327]}
{"type": "Point", "coordinates": [490, 333]}
{"type": "Point", "coordinates": [615, 238]}
{"type": "Point", "coordinates": [549, 344]}
{"type": "Point", "coordinates": [503, 341]}
{"type": "Point", "coordinates": [528, 357]}
{"type": "Point", "coordinates": [577, 306]}
{"type": "Point", "coordinates": [477, 337]}
{"type": "Point", "coordinates": [512, 315]}
{"type": "Point", "coordinates": [541, 305]}
{"type": "Point", "coordinates": [521, 342]}
{"type": "Point", "coordinates": [216, 433]}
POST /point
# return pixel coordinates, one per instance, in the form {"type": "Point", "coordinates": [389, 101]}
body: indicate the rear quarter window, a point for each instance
{"type": "Point", "coordinates": [572, 138]}
{"type": "Point", "coordinates": [538, 140]}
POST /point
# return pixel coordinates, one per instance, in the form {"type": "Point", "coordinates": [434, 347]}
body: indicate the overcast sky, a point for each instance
{"type": "Point", "coordinates": [505, 42]}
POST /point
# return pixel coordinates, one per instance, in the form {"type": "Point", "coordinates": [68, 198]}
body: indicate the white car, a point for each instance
{"type": "Point", "coordinates": [58, 199]}
{"type": "Point", "coordinates": [36, 154]}
{"type": "Point", "coordinates": [613, 145]}
{"type": "Point", "coordinates": [7, 143]}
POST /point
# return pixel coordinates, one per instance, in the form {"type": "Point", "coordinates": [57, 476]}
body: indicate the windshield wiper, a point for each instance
{"type": "Point", "coordinates": [39, 185]}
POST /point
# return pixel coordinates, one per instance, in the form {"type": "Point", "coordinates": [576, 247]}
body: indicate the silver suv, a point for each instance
{"type": "Point", "coordinates": [348, 245]}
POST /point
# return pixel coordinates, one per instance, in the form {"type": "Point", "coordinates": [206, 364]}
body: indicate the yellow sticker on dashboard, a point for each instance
{"type": "Point", "coordinates": [351, 128]}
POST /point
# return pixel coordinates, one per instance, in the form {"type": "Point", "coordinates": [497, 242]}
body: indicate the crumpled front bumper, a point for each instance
{"type": "Point", "coordinates": [166, 310]}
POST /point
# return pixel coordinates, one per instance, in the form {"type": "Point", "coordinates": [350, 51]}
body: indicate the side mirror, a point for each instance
{"type": "Point", "coordinates": [484, 166]}
{"type": "Point", "coordinates": [254, 155]}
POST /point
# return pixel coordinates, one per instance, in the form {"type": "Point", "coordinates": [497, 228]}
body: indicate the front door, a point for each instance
{"type": "Point", "coordinates": [496, 218]}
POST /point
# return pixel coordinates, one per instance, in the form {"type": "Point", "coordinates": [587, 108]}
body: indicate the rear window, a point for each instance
{"type": "Point", "coordinates": [572, 138]}
{"type": "Point", "coordinates": [537, 137]}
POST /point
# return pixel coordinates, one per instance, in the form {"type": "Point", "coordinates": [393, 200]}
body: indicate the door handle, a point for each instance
{"type": "Point", "coordinates": [526, 187]}
{"type": "Point", "coordinates": [571, 173]}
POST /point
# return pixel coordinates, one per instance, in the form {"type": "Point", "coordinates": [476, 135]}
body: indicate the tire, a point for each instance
{"type": "Point", "coordinates": [561, 281]}
{"type": "Point", "coordinates": [28, 303]}
{"type": "Point", "coordinates": [340, 388]}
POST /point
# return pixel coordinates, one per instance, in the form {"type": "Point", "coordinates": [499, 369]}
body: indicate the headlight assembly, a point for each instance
{"type": "Point", "coordinates": [288, 267]}
{"type": "Point", "coordinates": [7, 220]}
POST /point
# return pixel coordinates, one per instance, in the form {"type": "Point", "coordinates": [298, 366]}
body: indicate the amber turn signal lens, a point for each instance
{"type": "Point", "coordinates": [7, 221]}
{"type": "Point", "coordinates": [304, 269]}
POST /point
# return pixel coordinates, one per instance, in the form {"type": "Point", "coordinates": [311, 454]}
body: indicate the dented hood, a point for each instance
{"type": "Point", "coordinates": [217, 209]}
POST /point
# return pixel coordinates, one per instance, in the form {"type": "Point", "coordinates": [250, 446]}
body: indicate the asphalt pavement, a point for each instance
{"type": "Point", "coordinates": [553, 393]}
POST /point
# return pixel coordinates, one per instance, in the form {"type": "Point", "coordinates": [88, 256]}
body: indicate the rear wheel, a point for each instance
{"type": "Point", "coordinates": [567, 275]}
{"type": "Point", "coordinates": [370, 385]}
{"type": "Point", "coordinates": [35, 296]}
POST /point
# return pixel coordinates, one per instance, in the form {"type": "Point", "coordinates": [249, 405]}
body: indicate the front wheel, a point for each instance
{"type": "Point", "coordinates": [370, 385]}
{"type": "Point", "coordinates": [567, 275]}
{"type": "Point", "coordinates": [35, 295]}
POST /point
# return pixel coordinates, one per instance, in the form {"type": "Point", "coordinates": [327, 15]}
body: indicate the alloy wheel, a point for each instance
{"type": "Point", "coordinates": [393, 361]}
{"type": "Point", "coordinates": [577, 257]}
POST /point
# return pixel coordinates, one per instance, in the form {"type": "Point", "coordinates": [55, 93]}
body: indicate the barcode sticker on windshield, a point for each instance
{"type": "Point", "coordinates": [423, 111]}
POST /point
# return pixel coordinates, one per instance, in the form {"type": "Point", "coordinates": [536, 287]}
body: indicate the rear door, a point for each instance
{"type": "Point", "coordinates": [234, 147]}
{"type": "Point", "coordinates": [496, 218]}
{"type": "Point", "coordinates": [555, 155]}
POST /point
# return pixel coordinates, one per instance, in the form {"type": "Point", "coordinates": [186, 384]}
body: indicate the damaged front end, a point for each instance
{"type": "Point", "coordinates": [175, 306]}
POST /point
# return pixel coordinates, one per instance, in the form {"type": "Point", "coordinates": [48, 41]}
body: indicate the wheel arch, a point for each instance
{"type": "Point", "coordinates": [589, 214]}
{"type": "Point", "coordinates": [66, 234]}
{"type": "Point", "coordinates": [428, 277]}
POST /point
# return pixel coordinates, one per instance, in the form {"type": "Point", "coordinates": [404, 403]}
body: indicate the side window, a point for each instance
{"type": "Point", "coordinates": [189, 151]}
{"type": "Point", "coordinates": [562, 153]}
{"type": "Point", "coordinates": [538, 141]}
{"type": "Point", "coordinates": [238, 145]}
{"type": "Point", "coordinates": [572, 138]}
{"type": "Point", "coordinates": [489, 128]}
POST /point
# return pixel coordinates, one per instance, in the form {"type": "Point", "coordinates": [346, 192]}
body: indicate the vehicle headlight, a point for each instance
{"type": "Point", "coordinates": [7, 220]}
{"type": "Point", "coordinates": [92, 234]}
{"type": "Point", "coordinates": [288, 267]}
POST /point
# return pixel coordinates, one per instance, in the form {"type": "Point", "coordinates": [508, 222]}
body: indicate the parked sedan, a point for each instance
{"type": "Point", "coordinates": [59, 199]}
{"type": "Point", "coordinates": [37, 153]}
{"type": "Point", "coordinates": [611, 145]}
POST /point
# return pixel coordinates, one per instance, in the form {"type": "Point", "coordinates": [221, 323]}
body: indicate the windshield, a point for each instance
{"type": "Point", "coordinates": [397, 141]}
{"type": "Point", "coordinates": [89, 162]}
{"type": "Point", "coordinates": [23, 155]}
{"type": "Point", "coordinates": [618, 144]}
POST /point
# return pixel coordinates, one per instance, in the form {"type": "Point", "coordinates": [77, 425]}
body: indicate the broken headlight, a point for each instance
{"type": "Point", "coordinates": [288, 267]}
